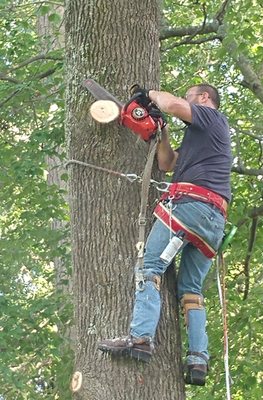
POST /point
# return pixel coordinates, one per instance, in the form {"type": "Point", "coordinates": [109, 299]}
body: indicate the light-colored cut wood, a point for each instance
{"type": "Point", "coordinates": [104, 111]}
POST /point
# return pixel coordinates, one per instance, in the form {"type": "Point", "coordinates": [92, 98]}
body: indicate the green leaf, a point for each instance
{"type": "Point", "coordinates": [54, 17]}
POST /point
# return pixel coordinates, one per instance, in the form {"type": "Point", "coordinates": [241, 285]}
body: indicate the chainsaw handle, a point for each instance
{"type": "Point", "coordinates": [140, 94]}
{"type": "Point", "coordinates": [136, 98]}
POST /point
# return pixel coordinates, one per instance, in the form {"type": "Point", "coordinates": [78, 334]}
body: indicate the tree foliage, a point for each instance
{"type": "Point", "coordinates": [32, 318]}
{"type": "Point", "coordinates": [219, 42]}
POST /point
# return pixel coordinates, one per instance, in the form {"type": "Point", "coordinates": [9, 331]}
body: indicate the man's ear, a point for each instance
{"type": "Point", "coordinates": [205, 96]}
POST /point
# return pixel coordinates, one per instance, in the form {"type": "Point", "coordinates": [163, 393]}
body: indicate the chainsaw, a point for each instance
{"type": "Point", "coordinates": [132, 115]}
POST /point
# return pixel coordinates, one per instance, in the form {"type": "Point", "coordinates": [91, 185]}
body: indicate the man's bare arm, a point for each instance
{"type": "Point", "coordinates": [170, 104]}
{"type": "Point", "coordinates": [166, 156]}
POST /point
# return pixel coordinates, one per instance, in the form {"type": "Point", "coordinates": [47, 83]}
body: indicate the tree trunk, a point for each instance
{"type": "Point", "coordinates": [116, 43]}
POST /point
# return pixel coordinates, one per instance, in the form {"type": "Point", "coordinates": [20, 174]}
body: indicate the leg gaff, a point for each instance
{"type": "Point", "coordinates": [191, 301]}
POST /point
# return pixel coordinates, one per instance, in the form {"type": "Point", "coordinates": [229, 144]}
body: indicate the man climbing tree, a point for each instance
{"type": "Point", "coordinates": [193, 210]}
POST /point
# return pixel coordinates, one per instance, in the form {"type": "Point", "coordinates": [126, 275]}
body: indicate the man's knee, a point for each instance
{"type": "Point", "coordinates": [141, 278]}
{"type": "Point", "coordinates": [191, 301]}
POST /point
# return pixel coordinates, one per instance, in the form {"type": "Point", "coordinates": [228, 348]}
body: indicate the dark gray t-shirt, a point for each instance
{"type": "Point", "coordinates": [205, 157]}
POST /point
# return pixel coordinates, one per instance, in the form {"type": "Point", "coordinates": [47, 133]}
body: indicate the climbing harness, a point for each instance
{"type": "Point", "coordinates": [173, 223]}
{"type": "Point", "coordinates": [178, 189]}
{"type": "Point", "coordinates": [163, 212]}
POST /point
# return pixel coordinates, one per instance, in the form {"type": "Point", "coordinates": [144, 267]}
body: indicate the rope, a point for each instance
{"type": "Point", "coordinates": [160, 186]}
{"type": "Point", "coordinates": [110, 171]}
{"type": "Point", "coordinates": [222, 298]}
{"type": "Point", "coordinates": [146, 180]}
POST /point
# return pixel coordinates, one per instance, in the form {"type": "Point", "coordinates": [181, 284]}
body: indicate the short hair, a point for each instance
{"type": "Point", "coordinates": [212, 91]}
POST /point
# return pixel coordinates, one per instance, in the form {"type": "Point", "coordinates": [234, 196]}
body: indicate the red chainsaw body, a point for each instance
{"type": "Point", "coordinates": [137, 119]}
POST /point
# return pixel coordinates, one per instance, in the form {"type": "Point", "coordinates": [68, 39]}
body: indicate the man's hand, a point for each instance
{"type": "Point", "coordinates": [141, 95]}
{"type": "Point", "coordinates": [157, 115]}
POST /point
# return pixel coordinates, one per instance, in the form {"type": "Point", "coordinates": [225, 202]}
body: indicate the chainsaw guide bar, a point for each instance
{"type": "Point", "coordinates": [99, 92]}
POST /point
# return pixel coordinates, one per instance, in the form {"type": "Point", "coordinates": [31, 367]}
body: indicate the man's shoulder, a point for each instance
{"type": "Point", "coordinates": [198, 108]}
{"type": "Point", "coordinates": [207, 116]}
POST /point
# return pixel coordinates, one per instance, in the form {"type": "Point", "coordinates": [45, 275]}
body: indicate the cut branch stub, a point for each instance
{"type": "Point", "coordinates": [104, 111]}
{"type": "Point", "coordinates": [76, 381]}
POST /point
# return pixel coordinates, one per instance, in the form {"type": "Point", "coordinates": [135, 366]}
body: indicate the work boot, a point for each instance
{"type": "Point", "coordinates": [195, 374]}
{"type": "Point", "coordinates": [138, 348]}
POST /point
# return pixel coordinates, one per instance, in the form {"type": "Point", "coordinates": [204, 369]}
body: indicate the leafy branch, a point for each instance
{"type": "Point", "coordinates": [247, 171]}
{"type": "Point", "coordinates": [9, 97]}
{"type": "Point", "coordinates": [251, 243]}
{"type": "Point", "coordinates": [37, 3]}
{"type": "Point", "coordinates": [251, 79]}
{"type": "Point", "coordinates": [219, 16]}
{"type": "Point", "coordinates": [169, 32]}
{"type": "Point", "coordinates": [42, 75]}
{"type": "Point", "coordinates": [256, 137]}
{"type": "Point", "coordinates": [36, 58]}
{"type": "Point", "coordinates": [255, 212]}
{"type": "Point", "coordinates": [191, 41]}
{"type": "Point", "coordinates": [7, 78]}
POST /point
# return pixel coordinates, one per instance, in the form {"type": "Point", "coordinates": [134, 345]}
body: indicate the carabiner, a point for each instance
{"type": "Point", "coordinates": [132, 177]}
{"type": "Point", "coordinates": [161, 186]}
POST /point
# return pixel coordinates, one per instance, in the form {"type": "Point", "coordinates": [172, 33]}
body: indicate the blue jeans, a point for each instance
{"type": "Point", "coordinates": [207, 221]}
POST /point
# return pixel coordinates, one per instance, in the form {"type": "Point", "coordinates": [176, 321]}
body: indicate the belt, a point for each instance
{"type": "Point", "coordinates": [177, 189]}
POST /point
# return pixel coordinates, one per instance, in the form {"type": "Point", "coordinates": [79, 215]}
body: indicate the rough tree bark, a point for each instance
{"type": "Point", "coordinates": [116, 43]}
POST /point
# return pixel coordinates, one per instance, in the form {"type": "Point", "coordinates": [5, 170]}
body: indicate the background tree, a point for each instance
{"type": "Point", "coordinates": [31, 129]}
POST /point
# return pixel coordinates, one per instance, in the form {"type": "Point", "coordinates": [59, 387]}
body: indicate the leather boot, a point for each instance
{"type": "Point", "coordinates": [138, 348]}
{"type": "Point", "coordinates": [196, 373]}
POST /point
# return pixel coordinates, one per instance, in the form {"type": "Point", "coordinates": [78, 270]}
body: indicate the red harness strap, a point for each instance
{"type": "Point", "coordinates": [164, 215]}
{"type": "Point", "coordinates": [176, 190]}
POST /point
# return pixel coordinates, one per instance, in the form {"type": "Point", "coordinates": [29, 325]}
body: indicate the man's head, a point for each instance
{"type": "Point", "coordinates": [203, 94]}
